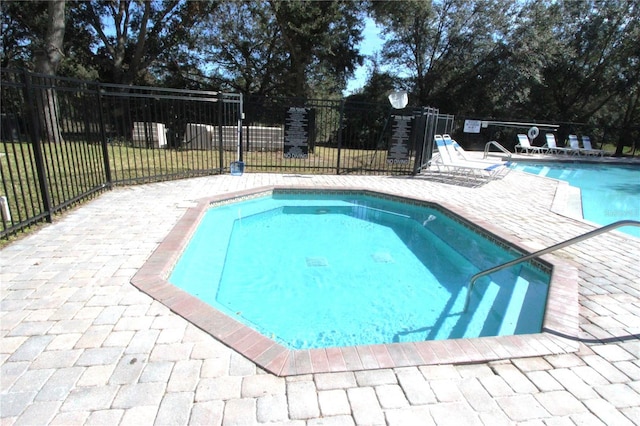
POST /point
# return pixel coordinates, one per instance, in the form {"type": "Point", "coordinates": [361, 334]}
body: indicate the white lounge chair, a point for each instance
{"type": "Point", "coordinates": [468, 169]}
{"type": "Point", "coordinates": [463, 155]}
{"type": "Point", "coordinates": [575, 145]}
{"type": "Point", "coordinates": [525, 147]}
{"type": "Point", "coordinates": [457, 153]}
{"type": "Point", "coordinates": [587, 149]}
{"type": "Point", "coordinates": [554, 148]}
{"type": "Point", "coordinates": [444, 163]}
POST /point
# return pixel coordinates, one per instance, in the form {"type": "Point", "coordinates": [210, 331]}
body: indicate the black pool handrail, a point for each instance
{"type": "Point", "coordinates": [549, 249]}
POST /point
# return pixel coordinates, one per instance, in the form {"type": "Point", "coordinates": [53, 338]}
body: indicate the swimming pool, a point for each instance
{"type": "Point", "coordinates": [558, 335]}
{"type": "Point", "coordinates": [610, 192]}
{"type": "Point", "coordinates": [317, 270]}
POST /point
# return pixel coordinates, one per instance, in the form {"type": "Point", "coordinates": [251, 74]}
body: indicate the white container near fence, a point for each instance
{"type": "Point", "coordinates": [4, 209]}
{"type": "Point", "coordinates": [149, 135]}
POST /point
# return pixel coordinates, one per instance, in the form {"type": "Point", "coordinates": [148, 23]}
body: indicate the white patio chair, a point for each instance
{"type": "Point", "coordinates": [588, 149]}
{"type": "Point", "coordinates": [575, 145]}
{"type": "Point", "coordinates": [524, 146]}
{"type": "Point", "coordinates": [554, 148]}
{"type": "Point", "coordinates": [469, 169]}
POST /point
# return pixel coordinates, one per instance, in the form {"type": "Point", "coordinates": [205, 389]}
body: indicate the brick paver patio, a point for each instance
{"type": "Point", "coordinates": [81, 345]}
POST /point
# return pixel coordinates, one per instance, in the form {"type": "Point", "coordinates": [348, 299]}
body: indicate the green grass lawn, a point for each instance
{"type": "Point", "coordinates": [75, 169]}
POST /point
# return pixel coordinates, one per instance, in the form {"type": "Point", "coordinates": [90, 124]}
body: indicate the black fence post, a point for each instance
{"type": "Point", "coordinates": [240, 118]}
{"type": "Point", "coordinates": [340, 135]}
{"type": "Point", "coordinates": [34, 133]}
{"type": "Point", "coordinates": [220, 105]}
{"type": "Point", "coordinates": [421, 135]}
{"type": "Point", "coordinates": [104, 141]}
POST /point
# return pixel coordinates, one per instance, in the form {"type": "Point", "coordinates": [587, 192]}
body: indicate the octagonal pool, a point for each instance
{"type": "Point", "coordinates": [318, 269]}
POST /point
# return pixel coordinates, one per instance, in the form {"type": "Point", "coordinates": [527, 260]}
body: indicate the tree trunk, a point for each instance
{"type": "Point", "coordinates": [47, 59]}
{"type": "Point", "coordinates": [630, 112]}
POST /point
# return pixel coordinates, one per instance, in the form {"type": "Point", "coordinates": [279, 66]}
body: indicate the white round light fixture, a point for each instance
{"type": "Point", "coordinates": [399, 99]}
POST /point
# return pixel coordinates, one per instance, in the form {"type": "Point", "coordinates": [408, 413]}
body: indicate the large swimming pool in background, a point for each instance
{"type": "Point", "coordinates": [610, 192]}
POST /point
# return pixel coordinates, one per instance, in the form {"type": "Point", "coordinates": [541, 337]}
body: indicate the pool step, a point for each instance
{"type": "Point", "coordinates": [515, 306]}
{"type": "Point", "coordinates": [481, 313]}
{"type": "Point", "coordinates": [544, 171]}
{"type": "Point", "coordinates": [508, 321]}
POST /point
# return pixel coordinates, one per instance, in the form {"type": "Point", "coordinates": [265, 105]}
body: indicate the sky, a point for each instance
{"type": "Point", "coordinates": [370, 44]}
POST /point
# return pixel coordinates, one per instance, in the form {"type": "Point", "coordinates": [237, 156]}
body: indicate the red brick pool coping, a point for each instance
{"type": "Point", "coordinates": [560, 324]}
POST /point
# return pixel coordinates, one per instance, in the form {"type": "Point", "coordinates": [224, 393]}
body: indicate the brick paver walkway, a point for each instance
{"type": "Point", "coordinates": [80, 345]}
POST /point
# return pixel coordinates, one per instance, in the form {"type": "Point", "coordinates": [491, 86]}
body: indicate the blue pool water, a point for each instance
{"type": "Point", "coordinates": [342, 270]}
{"type": "Point", "coordinates": [609, 192]}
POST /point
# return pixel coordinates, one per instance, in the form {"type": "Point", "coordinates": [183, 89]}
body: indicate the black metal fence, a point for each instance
{"type": "Point", "coordinates": [63, 140]}
{"type": "Point", "coordinates": [341, 136]}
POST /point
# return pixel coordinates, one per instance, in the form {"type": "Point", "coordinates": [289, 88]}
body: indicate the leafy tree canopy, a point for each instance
{"type": "Point", "coordinates": [549, 60]}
